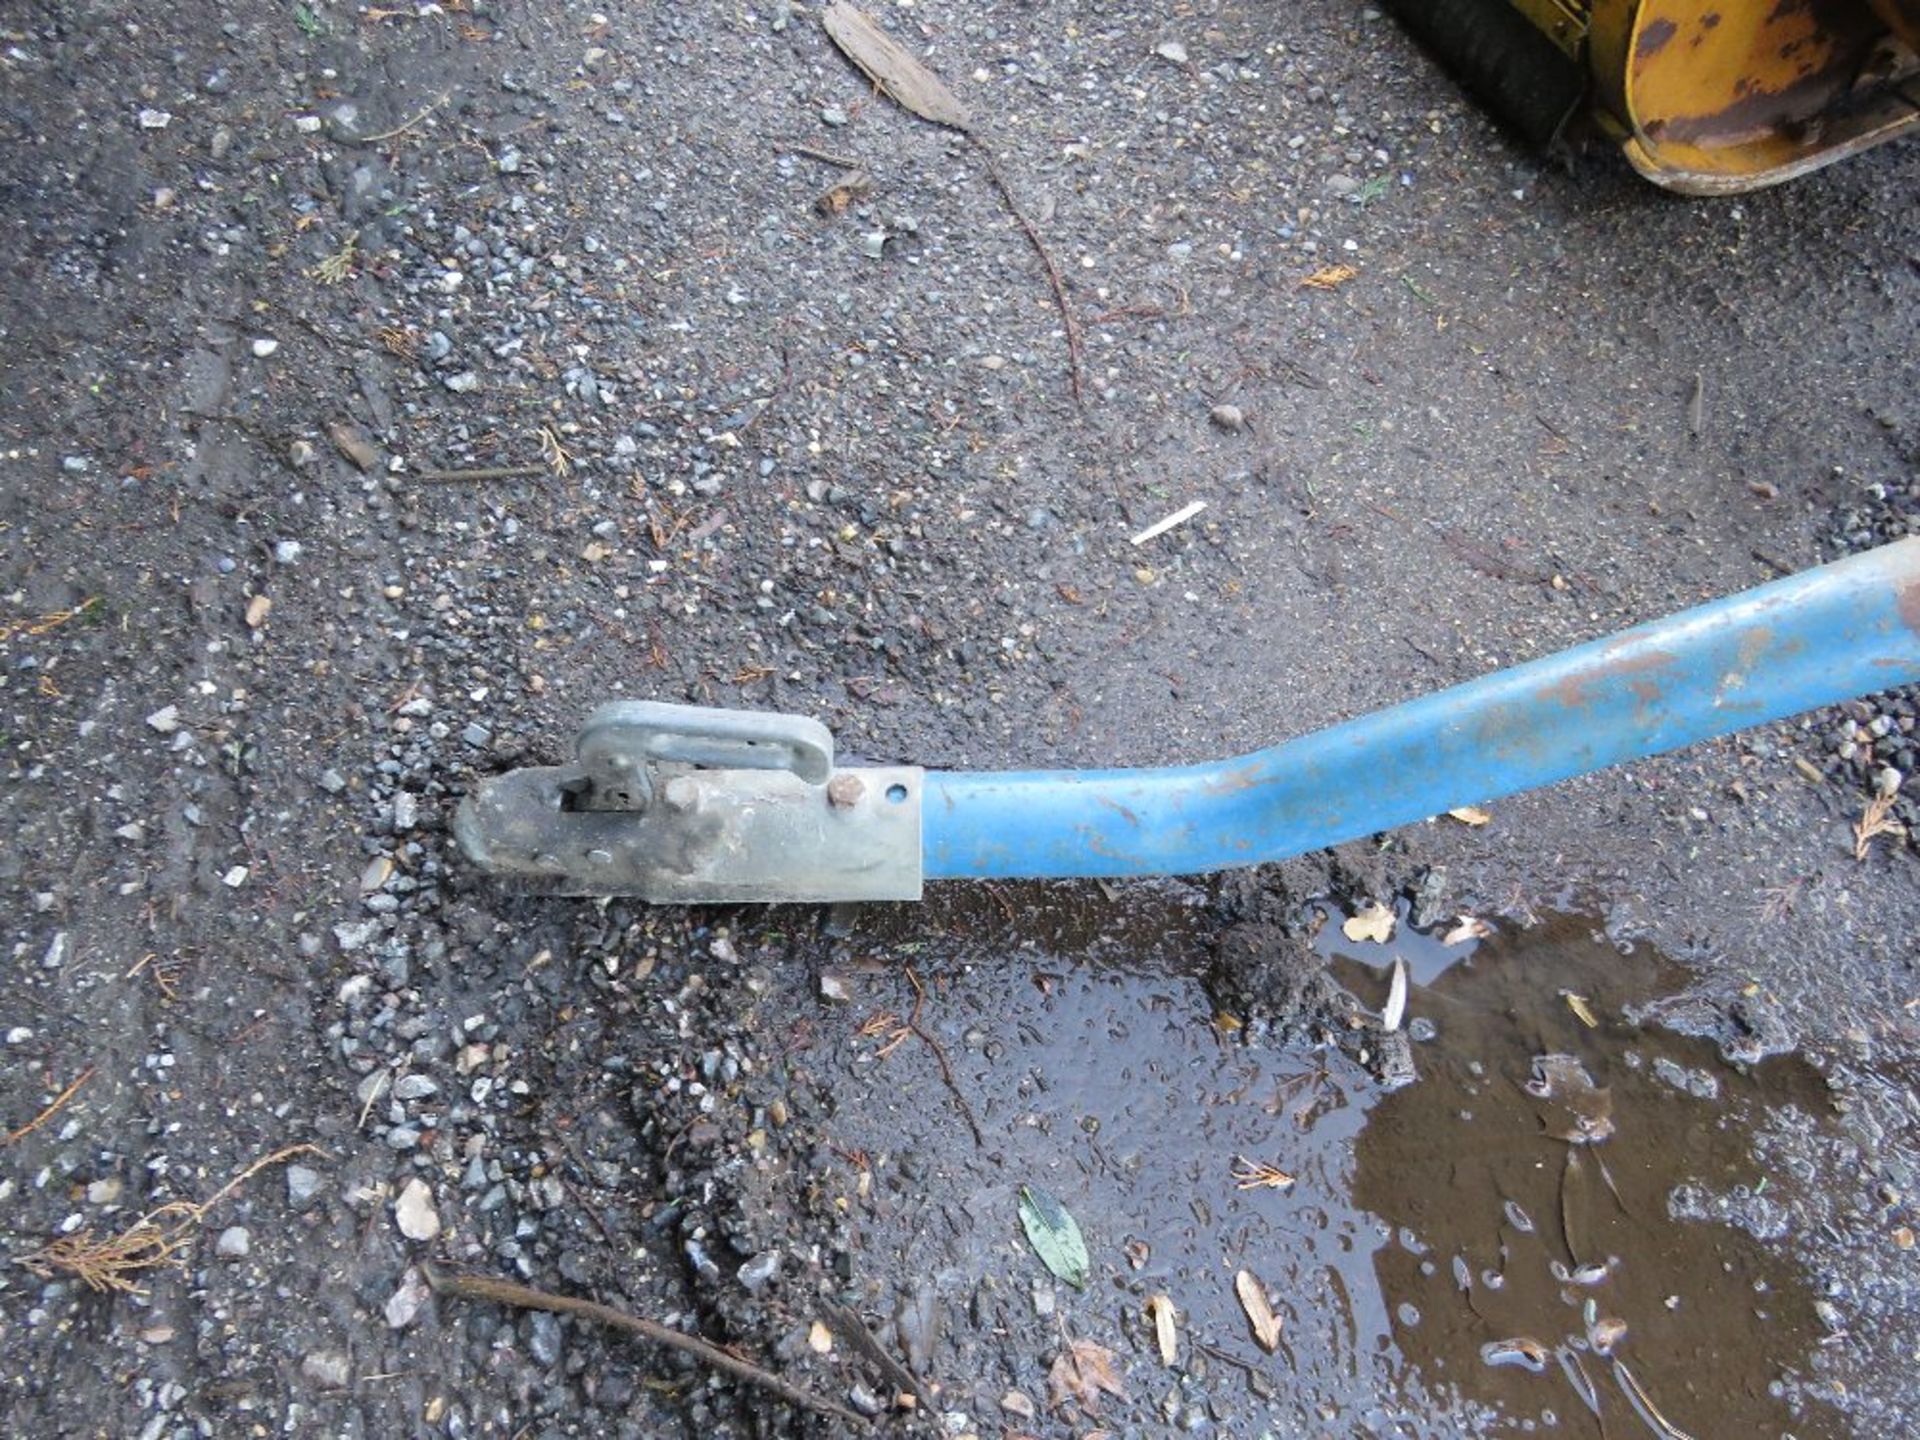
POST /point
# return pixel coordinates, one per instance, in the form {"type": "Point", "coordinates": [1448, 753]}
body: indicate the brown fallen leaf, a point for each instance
{"type": "Point", "coordinates": [1471, 815]}
{"type": "Point", "coordinates": [351, 441]}
{"type": "Point", "coordinates": [899, 76]}
{"type": "Point", "coordinates": [1160, 1307]}
{"type": "Point", "coordinates": [1373, 921]}
{"type": "Point", "coordinates": [904, 80]}
{"type": "Point", "coordinates": [1081, 1372]}
{"type": "Point", "coordinates": [1328, 277]}
{"type": "Point", "coordinates": [840, 195]}
{"type": "Point", "coordinates": [1253, 1300]}
{"type": "Point", "coordinates": [1468, 928]}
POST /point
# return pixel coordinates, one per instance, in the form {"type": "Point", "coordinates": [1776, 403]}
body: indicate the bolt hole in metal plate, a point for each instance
{"type": "Point", "coordinates": [897, 794]}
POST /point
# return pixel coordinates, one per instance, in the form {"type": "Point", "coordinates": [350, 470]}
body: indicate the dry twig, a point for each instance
{"type": "Point", "coordinates": [524, 1297]}
{"type": "Point", "coordinates": [51, 620]}
{"type": "Point", "coordinates": [402, 129]}
{"type": "Point", "coordinates": [496, 472]}
{"type": "Point", "coordinates": [940, 1054]}
{"type": "Point", "coordinates": [886, 1023]}
{"type": "Point", "coordinates": [1046, 260]}
{"type": "Point", "coordinates": [904, 80]}
{"type": "Point", "coordinates": [825, 157]}
{"type": "Point", "coordinates": [59, 1103]}
{"type": "Point", "coordinates": [848, 1325]}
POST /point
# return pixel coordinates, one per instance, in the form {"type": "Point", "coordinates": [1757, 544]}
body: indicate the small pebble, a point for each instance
{"type": "Point", "coordinates": [544, 1337]}
{"type": "Point", "coordinates": [303, 1186]}
{"type": "Point", "coordinates": [414, 1211]}
{"type": "Point", "coordinates": [415, 1087]}
{"type": "Point", "coordinates": [403, 1307]}
{"type": "Point", "coordinates": [758, 1273]}
{"type": "Point", "coordinates": [328, 1369]}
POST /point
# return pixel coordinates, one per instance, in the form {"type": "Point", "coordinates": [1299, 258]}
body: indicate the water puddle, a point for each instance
{"type": "Point", "coordinates": [1549, 1183]}
{"type": "Point", "coordinates": [1531, 1238]}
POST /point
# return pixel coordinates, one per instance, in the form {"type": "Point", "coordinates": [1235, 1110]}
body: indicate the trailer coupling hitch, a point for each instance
{"type": "Point", "coordinates": [680, 804]}
{"type": "Point", "coordinates": [684, 804]}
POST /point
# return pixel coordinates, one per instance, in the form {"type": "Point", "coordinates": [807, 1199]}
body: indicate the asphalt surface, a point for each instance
{"type": "Point", "coordinates": [267, 265]}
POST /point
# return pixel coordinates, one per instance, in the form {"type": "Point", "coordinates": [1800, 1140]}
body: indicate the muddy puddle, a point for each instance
{"type": "Point", "coordinates": [1561, 1228]}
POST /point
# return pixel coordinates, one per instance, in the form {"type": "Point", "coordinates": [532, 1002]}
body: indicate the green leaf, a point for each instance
{"type": "Point", "coordinates": [1055, 1236]}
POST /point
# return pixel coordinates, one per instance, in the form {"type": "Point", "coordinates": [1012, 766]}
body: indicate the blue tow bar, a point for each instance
{"type": "Point", "coordinates": [678, 803]}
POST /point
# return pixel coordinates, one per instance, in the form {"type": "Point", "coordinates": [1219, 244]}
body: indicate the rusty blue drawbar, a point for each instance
{"type": "Point", "coordinates": [683, 803]}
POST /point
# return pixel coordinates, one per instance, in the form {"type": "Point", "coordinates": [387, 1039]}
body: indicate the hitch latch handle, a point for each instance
{"type": "Point", "coordinates": [684, 804]}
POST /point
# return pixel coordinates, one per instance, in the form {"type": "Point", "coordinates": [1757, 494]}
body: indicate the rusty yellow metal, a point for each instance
{"type": "Point", "coordinates": [1562, 21]}
{"type": "Point", "coordinates": [1717, 97]}
{"type": "Point", "coordinates": [1722, 96]}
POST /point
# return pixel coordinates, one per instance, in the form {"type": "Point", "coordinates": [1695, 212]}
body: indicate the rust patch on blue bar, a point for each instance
{"type": "Point", "coordinates": [1849, 628]}
{"type": "Point", "coordinates": [1572, 690]}
{"type": "Point", "coordinates": [1909, 605]}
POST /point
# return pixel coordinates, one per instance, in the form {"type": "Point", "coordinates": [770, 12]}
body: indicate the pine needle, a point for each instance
{"type": "Point", "coordinates": [115, 1262]}
{"type": "Point", "coordinates": [1876, 821]}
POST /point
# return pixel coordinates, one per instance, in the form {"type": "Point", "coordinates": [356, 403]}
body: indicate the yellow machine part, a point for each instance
{"type": "Point", "coordinates": [1715, 97]}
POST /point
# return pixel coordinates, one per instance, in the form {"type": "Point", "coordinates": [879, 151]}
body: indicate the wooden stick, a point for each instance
{"type": "Point", "coordinates": [523, 1297]}
{"type": "Point", "coordinates": [1046, 259]}
{"type": "Point", "coordinates": [497, 472]}
{"type": "Point", "coordinates": [825, 157]}
{"type": "Point", "coordinates": [848, 1325]}
{"type": "Point", "coordinates": [946, 1070]}
{"type": "Point", "coordinates": [402, 129]}
{"type": "Point", "coordinates": [51, 1110]}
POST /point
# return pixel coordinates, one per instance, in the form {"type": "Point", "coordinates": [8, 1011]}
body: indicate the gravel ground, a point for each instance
{"type": "Point", "coordinates": [272, 265]}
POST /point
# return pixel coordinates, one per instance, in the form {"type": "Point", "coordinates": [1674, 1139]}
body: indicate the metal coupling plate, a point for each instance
{"type": "Point", "coordinates": [636, 815]}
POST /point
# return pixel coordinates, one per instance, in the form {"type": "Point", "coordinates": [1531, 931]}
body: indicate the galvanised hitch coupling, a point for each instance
{"type": "Point", "coordinates": [682, 804]}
